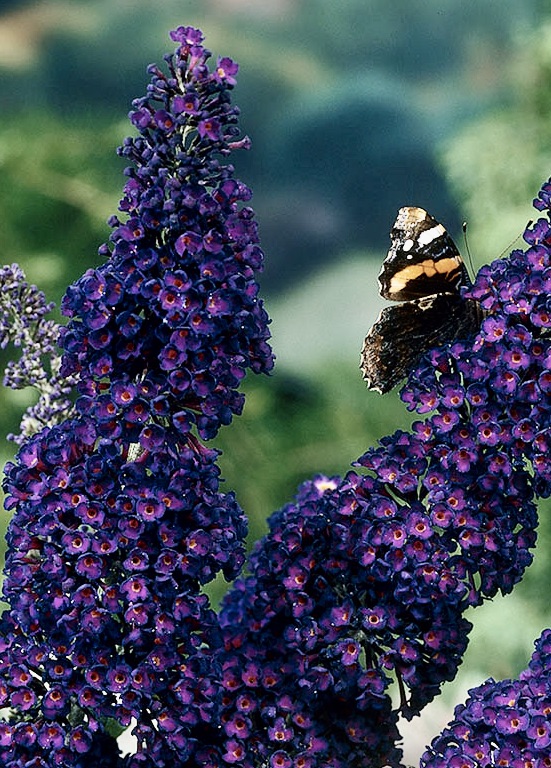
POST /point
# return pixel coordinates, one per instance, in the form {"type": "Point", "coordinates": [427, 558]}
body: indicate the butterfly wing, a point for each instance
{"type": "Point", "coordinates": [422, 260]}
{"type": "Point", "coordinates": [404, 332]}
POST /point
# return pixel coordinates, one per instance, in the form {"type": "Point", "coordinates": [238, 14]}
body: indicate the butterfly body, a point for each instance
{"type": "Point", "coordinates": [424, 273]}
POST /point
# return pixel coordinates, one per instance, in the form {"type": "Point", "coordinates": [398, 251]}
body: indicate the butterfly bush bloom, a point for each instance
{"type": "Point", "coordinates": [105, 563]}
{"type": "Point", "coordinates": [509, 723]}
{"type": "Point", "coordinates": [365, 580]}
{"type": "Point", "coordinates": [502, 723]}
{"type": "Point", "coordinates": [175, 307]}
{"type": "Point", "coordinates": [24, 324]}
{"type": "Point", "coordinates": [118, 519]}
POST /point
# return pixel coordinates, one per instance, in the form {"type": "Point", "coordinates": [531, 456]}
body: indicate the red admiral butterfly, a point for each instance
{"type": "Point", "coordinates": [425, 272]}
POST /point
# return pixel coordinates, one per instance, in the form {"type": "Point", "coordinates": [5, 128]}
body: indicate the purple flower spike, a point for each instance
{"type": "Point", "coordinates": [502, 723]}
{"type": "Point", "coordinates": [118, 520]}
{"type": "Point", "coordinates": [23, 324]}
{"type": "Point", "coordinates": [366, 579]}
{"type": "Point", "coordinates": [178, 291]}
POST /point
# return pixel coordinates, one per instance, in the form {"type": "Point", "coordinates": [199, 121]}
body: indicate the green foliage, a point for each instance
{"type": "Point", "coordinates": [293, 428]}
{"type": "Point", "coordinates": [59, 186]}
{"type": "Point", "coordinates": [346, 104]}
{"type": "Point", "coordinates": [497, 162]}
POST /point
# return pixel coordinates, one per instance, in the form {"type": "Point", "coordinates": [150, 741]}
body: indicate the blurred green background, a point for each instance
{"type": "Point", "coordinates": [355, 108]}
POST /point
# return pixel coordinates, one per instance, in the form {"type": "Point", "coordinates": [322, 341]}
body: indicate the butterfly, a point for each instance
{"type": "Point", "coordinates": [423, 271]}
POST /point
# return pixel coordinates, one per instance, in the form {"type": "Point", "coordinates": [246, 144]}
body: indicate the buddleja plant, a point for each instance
{"type": "Point", "coordinates": [119, 520]}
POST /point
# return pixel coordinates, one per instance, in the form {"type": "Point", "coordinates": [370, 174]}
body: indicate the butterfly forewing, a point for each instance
{"type": "Point", "coordinates": [422, 260]}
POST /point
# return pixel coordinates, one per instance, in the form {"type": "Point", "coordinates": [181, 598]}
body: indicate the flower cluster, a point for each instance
{"type": "Point", "coordinates": [502, 723]}
{"type": "Point", "coordinates": [508, 723]}
{"type": "Point", "coordinates": [303, 680]}
{"type": "Point", "coordinates": [367, 578]}
{"type": "Point", "coordinates": [177, 299]}
{"type": "Point", "coordinates": [501, 388]}
{"type": "Point", "coordinates": [352, 588]}
{"type": "Point", "coordinates": [118, 519]}
{"type": "Point", "coordinates": [105, 563]}
{"type": "Point", "coordinates": [24, 324]}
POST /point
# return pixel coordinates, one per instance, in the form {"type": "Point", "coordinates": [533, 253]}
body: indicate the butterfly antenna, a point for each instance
{"type": "Point", "coordinates": [513, 241]}
{"type": "Point", "coordinates": [467, 249]}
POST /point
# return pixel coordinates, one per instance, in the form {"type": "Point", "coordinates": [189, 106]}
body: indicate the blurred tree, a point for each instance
{"type": "Point", "coordinates": [495, 163]}
{"type": "Point", "coordinates": [60, 182]}
{"type": "Point", "coordinates": [344, 153]}
{"type": "Point", "coordinates": [346, 103]}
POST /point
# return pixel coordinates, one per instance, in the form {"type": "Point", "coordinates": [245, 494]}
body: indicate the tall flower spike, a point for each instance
{"type": "Point", "coordinates": [366, 578]}
{"type": "Point", "coordinates": [177, 302]}
{"type": "Point", "coordinates": [508, 723]}
{"type": "Point", "coordinates": [118, 520]}
{"type": "Point", "coordinates": [107, 623]}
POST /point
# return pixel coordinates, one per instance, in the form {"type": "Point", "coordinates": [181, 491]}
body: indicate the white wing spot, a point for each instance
{"type": "Point", "coordinates": [431, 234]}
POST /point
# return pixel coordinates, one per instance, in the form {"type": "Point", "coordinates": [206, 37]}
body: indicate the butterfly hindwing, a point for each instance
{"type": "Point", "coordinates": [404, 332]}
